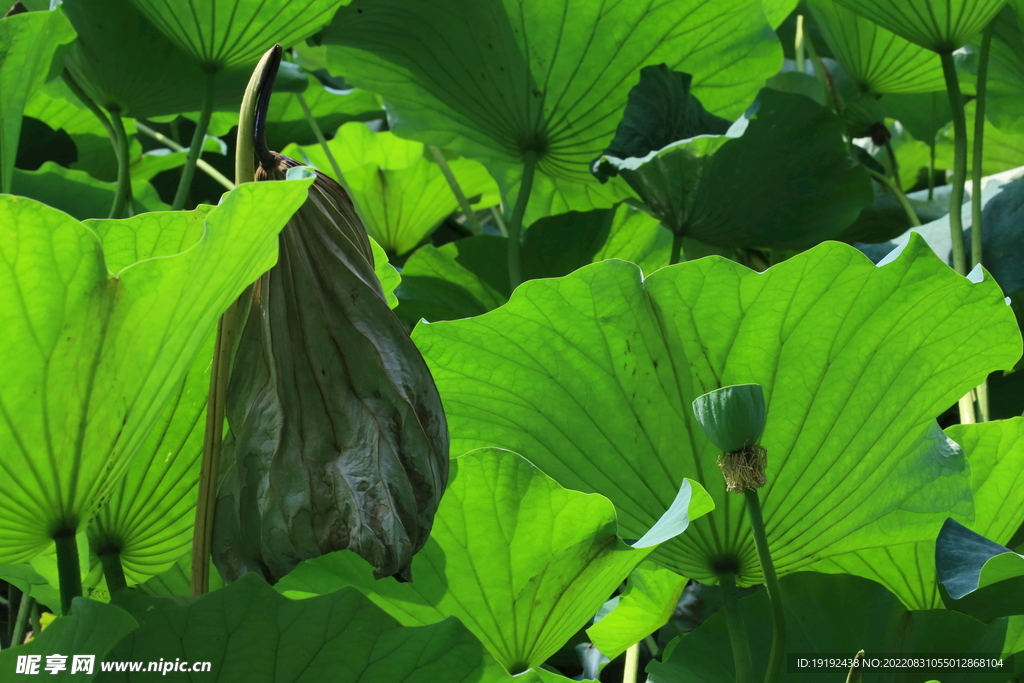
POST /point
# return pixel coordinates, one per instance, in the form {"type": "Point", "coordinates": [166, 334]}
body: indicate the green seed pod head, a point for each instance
{"type": "Point", "coordinates": [732, 417]}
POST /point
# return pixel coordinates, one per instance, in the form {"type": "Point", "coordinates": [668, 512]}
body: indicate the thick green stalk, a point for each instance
{"type": "Point", "coordinates": [21, 621]}
{"type": "Point", "coordinates": [629, 672]}
{"type": "Point", "coordinates": [37, 626]}
{"type": "Point", "coordinates": [196, 148]}
{"type": "Point", "coordinates": [977, 169]}
{"type": "Point", "coordinates": [677, 249]}
{"type": "Point", "coordinates": [200, 164]}
{"type": "Point", "coordinates": [460, 196]}
{"type": "Point", "coordinates": [113, 572]}
{"type": "Point", "coordinates": [979, 144]}
{"type": "Point", "coordinates": [956, 195]}
{"type": "Point", "coordinates": [905, 204]}
{"type": "Point", "coordinates": [124, 168]}
{"type": "Point", "coordinates": [69, 574]}
{"type": "Point", "coordinates": [515, 225]}
{"type": "Point", "coordinates": [91, 106]}
{"type": "Point", "coordinates": [771, 582]}
{"type": "Point", "coordinates": [895, 165]}
{"type": "Point", "coordinates": [737, 628]}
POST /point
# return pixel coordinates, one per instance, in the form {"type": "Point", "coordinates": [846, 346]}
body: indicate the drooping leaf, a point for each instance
{"type": "Point", "coordinates": [101, 323]}
{"type": "Point", "coordinates": [496, 80]}
{"type": "Point", "coordinates": [592, 375]}
{"type": "Point", "coordinates": [402, 194]}
{"type": "Point", "coordinates": [978, 576]}
{"type": "Point", "coordinates": [938, 26]}
{"type": "Point", "coordinates": [660, 110]}
{"type": "Point", "coordinates": [835, 616]}
{"type": "Point", "coordinates": [222, 34]}
{"type": "Point", "coordinates": [79, 194]}
{"type": "Point", "coordinates": [878, 60]}
{"type": "Point", "coordinates": [523, 562]}
{"type": "Point", "coordinates": [94, 628]}
{"type": "Point", "coordinates": [340, 440]}
{"type": "Point", "coordinates": [783, 180]}
{"type": "Point", "coordinates": [149, 518]}
{"type": "Point", "coordinates": [995, 451]}
{"type": "Point", "coordinates": [30, 41]}
{"type": "Point", "coordinates": [387, 274]}
{"type": "Point", "coordinates": [651, 595]}
{"type": "Point", "coordinates": [251, 634]}
{"type": "Point", "coordinates": [470, 277]}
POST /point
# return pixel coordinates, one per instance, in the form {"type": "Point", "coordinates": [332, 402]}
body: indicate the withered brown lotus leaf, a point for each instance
{"type": "Point", "coordinates": [339, 438]}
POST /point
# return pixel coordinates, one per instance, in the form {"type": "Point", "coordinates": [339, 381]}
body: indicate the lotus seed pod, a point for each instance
{"type": "Point", "coordinates": [732, 417]}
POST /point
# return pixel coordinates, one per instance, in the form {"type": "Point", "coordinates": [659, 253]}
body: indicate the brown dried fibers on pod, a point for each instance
{"type": "Point", "coordinates": [339, 438]}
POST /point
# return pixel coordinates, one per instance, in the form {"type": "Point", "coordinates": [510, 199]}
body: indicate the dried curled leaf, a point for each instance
{"type": "Point", "coordinates": [339, 437]}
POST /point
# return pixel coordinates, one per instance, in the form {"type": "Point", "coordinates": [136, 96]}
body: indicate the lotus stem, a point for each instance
{"type": "Point", "coordinates": [737, 628]}
{"type": "Point", "coordinates": [113, 572]}
{"type": "Point", "coordinates": [629, 672]}
{"type": "Point", "coordinates": [124, 169]}
{"type": "Point", "coordinates": [515, 225]}
{"type": "Point", "coordinates": [91, 106]}
{"type": "Point", "coordinates": [856, 674]}
{"type": "Point", "coordinates": [499, 220]}
{"type": "Point", "coordinates": [956, 197]}
{"type": "Point", "coordinates": [905, 204]}
{"type": "Point", "coordinates": [977, 169]}
{"type": "Point", "coordinates": [196, 148]}
{"type": "Point", "coordinates": [895, 166]}
{"type": "Point", "coordinates": [24, 610]}
{"type": "Point", "coordinates": [677, 249]}
{"type": "Point", "coordinates": [69, 574]}
{"type": "Point", "coordinates": [460, 196]}
{"type": "Point", "coordinates": [200, 164]}
{"type": "Point", "coordinates": [771, 582]}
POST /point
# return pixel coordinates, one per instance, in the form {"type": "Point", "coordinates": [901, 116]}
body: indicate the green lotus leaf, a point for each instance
{"type": "Point", "coordinates": [387, 274]}
{"type": "Point", "coordinates": [523, 562]}
{"type": "Point", "coordinates": [103, 322]}
{"type": "Point", "coordinates": [79, 194]}
{"type": "Point", "coordinates": [938, 26]}
{"type": "Point", "coordinates": [922, 114]}
{"type": "Point", "coordinates": [496, 80]}
{"type": "Point", "coordinates": [651, 595]}
{"type": "Point", "coordinates": [731, 417]}
{"type": "Point", "coordinates": [177, 581]}
{"type": "Point", "coordinates": [756, 186]}
{"type": "Point", "coordinates": [470, 277]}
{"type": "Point", "coordinates": [222, 34]}
{"type": "Point", "coordinates": [247, 631]}
{"type": "Point", "coordinates": [93, 628]}
{"type": "Point", "coordinates": [855, 362]}
{"type": "Point", "coordinates": [1005, 93]}
{"type": "Point", "coordinates": [286, 122]}
{"type": "Point", "coordinates": [836, 616]}
{"type": "Point", "coordinates": [878, 60]}
{"type": "Point", "coordinates": [402, 195]}
{"type": "Point", "coordinates": [995, 451]}
{"type": "Point", "coordinates": [30, 41]}
{"type": "Point", "coordinates": [149, 518]}
{"type": "Point", "coordinates": [778, 10]}
{"type": "Point", "coordinates": [978, 576]}
{"type": "Point", "coordinates": [127, 65]}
